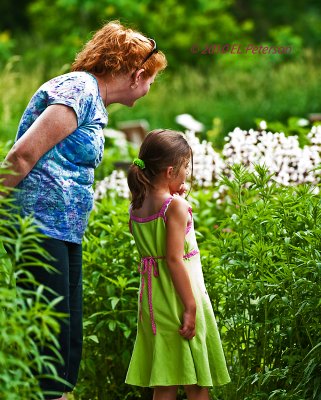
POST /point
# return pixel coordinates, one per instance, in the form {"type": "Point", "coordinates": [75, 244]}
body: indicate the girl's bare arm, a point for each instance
{"type": "Point", "coordinates": [177, 217]}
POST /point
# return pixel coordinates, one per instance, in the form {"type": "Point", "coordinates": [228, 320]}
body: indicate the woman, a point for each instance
{"type": "Point", "coordinates": [59, 143]}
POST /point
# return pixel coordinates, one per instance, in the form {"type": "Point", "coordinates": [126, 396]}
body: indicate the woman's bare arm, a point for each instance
{"type": "Point", "coordinates": [53, 125]}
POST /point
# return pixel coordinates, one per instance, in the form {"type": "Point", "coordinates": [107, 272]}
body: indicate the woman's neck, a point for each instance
{"type": "Point", "coordinates": [113, 88]}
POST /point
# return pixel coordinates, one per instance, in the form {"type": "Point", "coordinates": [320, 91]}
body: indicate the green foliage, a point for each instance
{"type": "Point", "coordinates": [80, 18]}
{"type": "Point", "coordinates": [199, 23]}
{"type": "Point", "coordinates": [262, 265]}
{"type": "Point", "coordinates": [7, 44]}
{"type": "Point", "coordinates": [263, 273]}
{"type": "Point", "coordinates": [110, 303]}
{"type": "Point", "coordinates": [266, 17]}
{"type": "Point", "coordinates": [17, 86]}
{"type": "Point", "coordinates": [28, 321]}
{"type": "Point", "coordinates": [222, 99]}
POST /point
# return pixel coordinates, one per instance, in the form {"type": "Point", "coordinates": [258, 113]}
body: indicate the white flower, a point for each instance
{"type": "Point", "coordinates": [303, 122]}
{"type": "Point", "coordinates": [116, 182]}
{"type": "Point", "coordinates": [263, 125]}
{"type": "Point", "coordinates": [188, 122]}
{"type": "Point", "coordinates": [119, 139]}
{"type": "Point", "coordinates": [281, 154]}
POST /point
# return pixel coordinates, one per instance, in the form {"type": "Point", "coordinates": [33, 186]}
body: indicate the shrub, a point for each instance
{"type": "Point", "coordinates": [111, 286]}
{"type": "Point", "coordinates": [263, 271]}
{"type": "Point", "coordinates": [262, 266]}
{"type": "Point", "coordinates": [28, 321]}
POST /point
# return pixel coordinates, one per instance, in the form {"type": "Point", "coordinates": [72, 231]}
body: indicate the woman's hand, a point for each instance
{"type": "Point", "coordinates": [52, 126]}
{"type": "Point", "coordinates": [188, 330]}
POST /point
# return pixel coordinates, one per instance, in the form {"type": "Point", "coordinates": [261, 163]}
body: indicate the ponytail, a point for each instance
{"type": "Point", "coordinates": [138, 185]}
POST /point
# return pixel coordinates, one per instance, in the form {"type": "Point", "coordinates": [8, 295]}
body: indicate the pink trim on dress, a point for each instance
{"type": "Point", "coordinates": [145, 219]}
{"type": "Point", "coordinates": [190, 254]}
{"type": "Point", "coordinates": [161, 213]}
{"type": "Point", "coordinates": [165, 207]}
{"type": "Point", "coordinates": [189, 223]}
{"type": "Point", "coordinates": [149, 265]}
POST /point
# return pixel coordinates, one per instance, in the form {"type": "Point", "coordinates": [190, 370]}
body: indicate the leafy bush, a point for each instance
{"type": "Point", "coordinates": [110, 303]}
{"type": "Point", "coordinates": [219, 102]}
{"type": "Point", "coordinates": [7, 45]}
{"type": "Point", "coordinates": [263, 271]}
{"type": "Point", "coordinates": [262, 266]}
{"type": "Point", "coordinates": [200, 23]}
{"type": "Point", "coordinates": [28, 321]}
{"type": "Point", "coordinates": [193, 22]}
{"type": "Point", "coordinates": [260, 249]}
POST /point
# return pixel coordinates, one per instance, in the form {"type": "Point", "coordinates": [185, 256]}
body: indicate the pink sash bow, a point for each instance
{"type": "Point", "coordinates": [148, 266]}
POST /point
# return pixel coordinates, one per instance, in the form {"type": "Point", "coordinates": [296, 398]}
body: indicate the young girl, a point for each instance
{"type": "Point", "coordinates": [177, 339]}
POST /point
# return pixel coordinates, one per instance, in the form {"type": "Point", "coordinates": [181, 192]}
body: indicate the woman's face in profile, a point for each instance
{"type": "Point", "coordinates": [142, 88]}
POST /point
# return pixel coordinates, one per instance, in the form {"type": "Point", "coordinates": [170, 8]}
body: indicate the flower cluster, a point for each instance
{"type": "Point", "coordinates": [115, 183]}
{"type": "Point", "coordinates": [282, 155]}
{"type": "Point", "coordinates": [207, 163]}
{"type": "Point", "coordinates": [119, 138]}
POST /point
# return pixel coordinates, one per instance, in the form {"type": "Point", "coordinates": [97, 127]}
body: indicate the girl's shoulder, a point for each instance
{"type": "Point", "coordinates": [177, 205]}
{"type": "Point", "coordinates": [177, 199]}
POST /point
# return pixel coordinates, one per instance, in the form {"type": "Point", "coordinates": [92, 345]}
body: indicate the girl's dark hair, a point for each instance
{"type": "Point", "coordinates": [160, 149]}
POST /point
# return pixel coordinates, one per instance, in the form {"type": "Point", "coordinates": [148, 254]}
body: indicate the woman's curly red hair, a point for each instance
{"type": "Point", "coordinates": [115, 49]}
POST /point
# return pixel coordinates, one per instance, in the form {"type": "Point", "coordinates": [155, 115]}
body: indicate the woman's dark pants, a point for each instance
{"type": "Point", "coordinates": [67, 282]}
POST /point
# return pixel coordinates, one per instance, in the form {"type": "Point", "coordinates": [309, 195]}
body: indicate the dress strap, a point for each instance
{"type": "Point", "coordinates": [190, 221]}
{"type": "Point", "coordinates": [164, 208]}
{"type": "Point", "coordinates": [167, 202]}
{"type": "Point", "coordinates": [160, 214]}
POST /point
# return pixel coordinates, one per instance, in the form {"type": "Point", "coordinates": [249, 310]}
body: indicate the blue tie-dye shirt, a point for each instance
{"type": "Point", "coordinates": [58, 190]}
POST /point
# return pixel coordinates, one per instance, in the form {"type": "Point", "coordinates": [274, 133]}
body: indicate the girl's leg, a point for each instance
{"type": "Point", "coordinates": [165, 393]}
{"type": "Point", "coordinates": [195, 392]}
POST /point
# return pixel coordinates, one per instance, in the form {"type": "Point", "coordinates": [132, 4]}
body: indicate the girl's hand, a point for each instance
{"type": "Point", "coordinates": [188, 330]}
{"type": "Point", "coordinates": [182, 191]}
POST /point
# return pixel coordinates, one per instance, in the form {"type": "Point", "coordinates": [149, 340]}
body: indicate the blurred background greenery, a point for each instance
{"type": "Point", "coordinates": [39, 39]}
{"type": "Point", "coordinates": [275, 357]}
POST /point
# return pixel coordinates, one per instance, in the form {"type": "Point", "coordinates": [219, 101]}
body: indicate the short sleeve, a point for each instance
{"type": "Point", "coordinates": [76, 91]}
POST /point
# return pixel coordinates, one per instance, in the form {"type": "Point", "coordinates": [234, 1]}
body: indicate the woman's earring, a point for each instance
{"type": "Point", "coordinates": [134, 86]}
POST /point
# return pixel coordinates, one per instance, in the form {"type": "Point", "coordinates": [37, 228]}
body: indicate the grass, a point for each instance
{"type": "Point", "coordinates": [235, 96]}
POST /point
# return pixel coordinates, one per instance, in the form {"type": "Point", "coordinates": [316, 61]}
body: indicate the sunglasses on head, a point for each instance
{"type": "Point", "coordinates": [153, 51]}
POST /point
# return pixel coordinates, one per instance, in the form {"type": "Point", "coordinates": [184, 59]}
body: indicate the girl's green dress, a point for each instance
{"type": "Point", "coordinates": [161, 356]}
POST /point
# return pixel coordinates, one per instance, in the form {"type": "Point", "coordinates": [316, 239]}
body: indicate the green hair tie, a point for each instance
{"type": "Point", "coordinates": [140, 163]}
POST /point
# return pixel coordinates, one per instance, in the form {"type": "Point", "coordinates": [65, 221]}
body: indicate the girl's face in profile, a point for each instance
{"type": "Point", "coordinates": [178, 180]}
